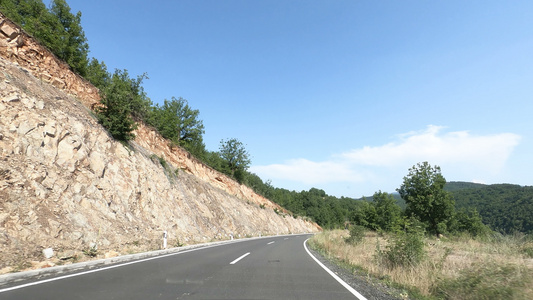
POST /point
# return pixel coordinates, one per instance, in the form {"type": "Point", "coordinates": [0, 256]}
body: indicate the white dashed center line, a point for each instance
{"type": "Point", "coordinates": [237, 260]}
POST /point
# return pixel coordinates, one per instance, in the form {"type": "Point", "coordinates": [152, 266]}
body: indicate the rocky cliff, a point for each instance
{"type": "Point", "coordinates": [66, 185]}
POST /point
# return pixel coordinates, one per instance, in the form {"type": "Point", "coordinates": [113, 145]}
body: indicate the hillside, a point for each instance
{"type": "Point", "coordinates": [453, 186]}
{"type": "Point", "coordinates": [504, 207]}
{"type": "Point", "coordinates": [66, 184]}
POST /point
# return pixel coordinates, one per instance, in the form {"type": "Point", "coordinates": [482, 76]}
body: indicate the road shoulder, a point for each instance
{"type": "Point", "coordinates": [371, 288]}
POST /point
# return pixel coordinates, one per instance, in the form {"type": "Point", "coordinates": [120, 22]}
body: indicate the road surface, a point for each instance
{"type": "Point", "coordinates": [268, 268]}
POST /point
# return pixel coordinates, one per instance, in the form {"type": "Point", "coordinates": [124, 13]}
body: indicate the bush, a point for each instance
{"type": "Point", "coordinates": [405, 249]}
{"type": "Point", "coordinates": [470, 221]}
{"type": "Point", "coordinates": [163, 163]}
{"type": "Point", "coordinates": [357, 233]}
{"type": "Point", "coordinates": [116, 110]}
{"type": "Point", "coordinates": [91, 251]}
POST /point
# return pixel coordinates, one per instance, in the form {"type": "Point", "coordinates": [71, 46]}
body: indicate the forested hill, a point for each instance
{"type": "Point", "coordinates": [506, 208]}
{"type": "Point", "coordinates": [462, 185]}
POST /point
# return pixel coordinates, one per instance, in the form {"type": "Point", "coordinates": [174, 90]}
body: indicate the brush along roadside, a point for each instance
{"type": "Point", "coordinates": [498, 267]}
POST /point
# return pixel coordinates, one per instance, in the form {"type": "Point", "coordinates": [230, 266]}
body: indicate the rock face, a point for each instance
{"type": "Point", "coordinates": [19, 47]}
{"type": "Point", "coordinates": [68, 188]}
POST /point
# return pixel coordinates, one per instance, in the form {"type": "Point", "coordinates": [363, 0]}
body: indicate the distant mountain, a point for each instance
{"type": "Point", "coordinates": [506, 208]}
{"type": "Point", "coordinates": [453, 186]}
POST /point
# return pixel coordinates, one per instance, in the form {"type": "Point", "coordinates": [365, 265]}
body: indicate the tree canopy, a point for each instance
{"type": "Point", "coordinates": [426, 199]}
{"type": "Point", "coordinates": [116, 112]}
{"type": "Point", "coordinates": [73, 47]}
{"type": "Point", "coordinates": [236, 157]}
{"type": "Point", "coordinates": [388, 213]}
{"type": "Point", "coordinates": [503, 207]}
{"type": "Point", "coordinates": [56, 28]}
{"type": "Point", "coordinates": [177, 121]}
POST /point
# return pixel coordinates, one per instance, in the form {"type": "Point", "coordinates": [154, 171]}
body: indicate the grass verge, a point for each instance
{"type": "Point", "coordinates": [454, 268]}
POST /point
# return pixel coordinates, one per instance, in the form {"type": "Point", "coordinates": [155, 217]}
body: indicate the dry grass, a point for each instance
{"type": "Point", "coordinates": [458, 268]}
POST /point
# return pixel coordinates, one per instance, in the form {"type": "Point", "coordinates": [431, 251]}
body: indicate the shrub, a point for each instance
{"type": "Point", "coordinates": [90, 251]}
{"type": "Point", "coordinates": [163, 162]}
{"type": "Point", "coordinates": [405, 249]}
{"type": "Point", "coordinates": [357, 233]}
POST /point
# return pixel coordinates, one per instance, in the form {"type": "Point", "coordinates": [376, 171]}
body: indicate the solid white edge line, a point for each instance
{"type": "Point", "coordinates": [101, 269]}
{"type": "Point", "coordinates": [342, 282]}
{"type": "Point", "coordinates": [237, 260]}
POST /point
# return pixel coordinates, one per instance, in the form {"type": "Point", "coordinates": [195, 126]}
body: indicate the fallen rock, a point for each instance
{"type": "Point", "coordinates": [111, 254]}
{"type": "Point", "coordinates": [48, 253]}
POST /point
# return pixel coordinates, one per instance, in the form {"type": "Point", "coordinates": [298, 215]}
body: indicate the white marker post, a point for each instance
{"type": "Point", "coordinates": [165, 239]}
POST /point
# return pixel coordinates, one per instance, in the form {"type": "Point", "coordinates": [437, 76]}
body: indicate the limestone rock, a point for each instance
{"type": "Point", "coordinates": [48, 253]}
{"type": "Point", "coordinates": [111, 254]}
{"type": "Point", "coordinates": [8, 31]}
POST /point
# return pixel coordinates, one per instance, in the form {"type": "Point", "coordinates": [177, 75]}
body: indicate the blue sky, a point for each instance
{"type": "Point", "coordinates": [344, 96]}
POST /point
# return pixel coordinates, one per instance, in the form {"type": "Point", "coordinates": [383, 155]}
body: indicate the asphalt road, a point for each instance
{"type": "Point", "coordinates": [268, 268]}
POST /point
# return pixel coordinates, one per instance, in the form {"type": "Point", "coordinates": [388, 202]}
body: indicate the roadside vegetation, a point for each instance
{"type": "Point", "coordinates": [429, 249]}
{"type": "Point", "coordinates": [455, 267]}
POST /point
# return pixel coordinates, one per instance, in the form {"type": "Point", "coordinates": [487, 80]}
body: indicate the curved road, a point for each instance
{"type": "Point", "coordinates": [267, 268]}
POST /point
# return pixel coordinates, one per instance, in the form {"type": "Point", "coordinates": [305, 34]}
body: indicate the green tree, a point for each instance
{"type": "Point", "coordinates": [97, 74]}
{"type": "Point", "coordinates": [139, 103]}
{"type": "Point", "coordinates": [470, 221]}
{"type": "Point", "coordinates": [73, 47]}
{"type": "Point", "coordinates": [214, 160]}
{"type": "Point", "coordinates": [116, 113]}
{"type": "Point", "coordinates": [236, 157]}
{"type": "Point", "coordinates": [36, 19]}
{"type": "Point", "coordinates": [423, 192]}
{"type": "Point", "coordinates": [56, 28]}
{"type": "Point", "coordinates": [364, 213]}
{"type": "Point", "coordinates": [388, 213]}
{"type": "Point", "coordinates": [178, 122]}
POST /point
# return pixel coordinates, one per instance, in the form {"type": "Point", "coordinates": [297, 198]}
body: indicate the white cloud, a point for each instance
{"type": "Point", "coordinates": [309, 172]}
{"type": "Point", "coordinates": [489, 152]}
{"type": "Point", "coordinates": [460, 154]}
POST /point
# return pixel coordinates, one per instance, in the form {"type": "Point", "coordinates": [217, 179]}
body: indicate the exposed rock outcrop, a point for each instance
{"type": "Point", "coordinates": [67, 186]}
{"type": "Point", "coordinates": [19, 47]}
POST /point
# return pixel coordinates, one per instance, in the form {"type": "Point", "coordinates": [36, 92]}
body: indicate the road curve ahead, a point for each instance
{"type": "Point", "coordinates": [268, 268]}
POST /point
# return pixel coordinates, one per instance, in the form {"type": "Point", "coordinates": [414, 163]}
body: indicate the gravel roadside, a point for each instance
{"type": "Point", "coordinates": [369, 287]}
